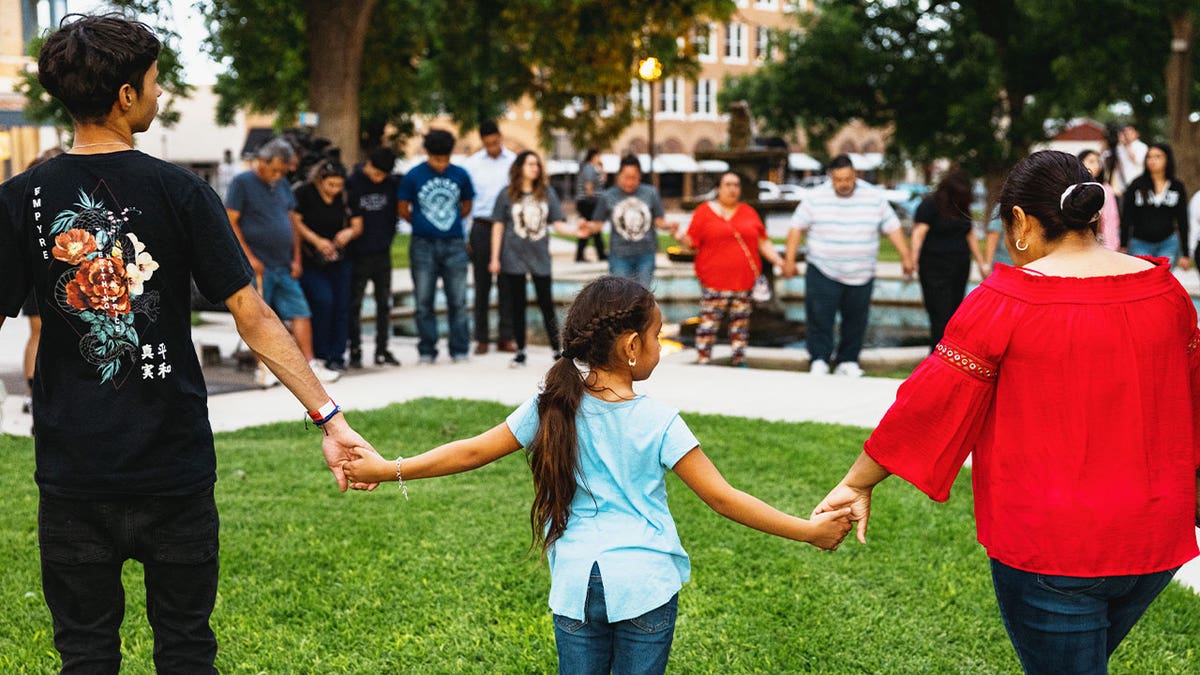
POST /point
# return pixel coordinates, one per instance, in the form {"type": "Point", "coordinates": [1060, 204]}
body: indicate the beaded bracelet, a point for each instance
{"type": "Point", "coordinates": [400, 479]}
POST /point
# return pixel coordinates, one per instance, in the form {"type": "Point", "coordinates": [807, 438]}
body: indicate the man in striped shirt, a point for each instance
{"type": "Point", "coordinates": [842, 220]}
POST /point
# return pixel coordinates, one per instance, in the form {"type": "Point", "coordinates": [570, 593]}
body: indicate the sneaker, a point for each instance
{"type": "Point", "coordinates": [339, 366]}
{"type": "Point", "coordinates": [459, 358]}
{"type": "Point", "coordinates": [264, 378]}
{"type": "Point", "coordinates": [848, 369]}
{"type": "Point", "coordinates": [518, 360]}
{"type": "Point", "coordinates": [425, 360]}
{"type": "Point", "coordinates": [356, 359]}
{"type": "Point", "coordinates": [557, 354]}
{"type": "Point", "coordinates": [323, 374]}
{"type": "Point", "coordinates": [27, 406]}
{"type": "Point", "coordinates": [819, 367]}
{"type": "Point", "coordinates": [385, 358]}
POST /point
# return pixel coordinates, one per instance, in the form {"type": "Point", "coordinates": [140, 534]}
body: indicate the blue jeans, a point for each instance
{"type": "Point", "coordinates": [328, 290]}
{"type": "Point", "coordinates": [1071, 624]}
{"type": "Point", "coordinates": [824, 299]}
{"type": "Point", "coordinates": [446, 259]}
{"type": "Point", "coordinates": [595, 646]}
{"type": "Point", "coordinates": [84, 544]}
{"type": "Point", "coordinates": [1167, 248]}
{"type": "Point", "coordinates": [639, 267]}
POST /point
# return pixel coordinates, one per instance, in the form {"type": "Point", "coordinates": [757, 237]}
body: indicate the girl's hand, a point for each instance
{"type": "Point", "coordinates": [830, 528]}
{"type": "Point", "coordinates": [843, 496]}
{"type": "Point", "coordinates": [367, 466]}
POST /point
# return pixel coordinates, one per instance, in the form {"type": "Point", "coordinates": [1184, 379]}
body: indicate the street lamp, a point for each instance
{"type": "Point", "coordinates": [649, 70]}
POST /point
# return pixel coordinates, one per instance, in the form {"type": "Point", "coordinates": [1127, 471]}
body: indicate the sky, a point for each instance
{"type": "Point", "coordinates": [198, 66]}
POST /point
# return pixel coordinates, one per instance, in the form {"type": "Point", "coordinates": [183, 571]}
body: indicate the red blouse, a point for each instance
{"type": "Point", "coordinates": [1078, 399]}
{"type": "Point", "coordinates": [721, 263]}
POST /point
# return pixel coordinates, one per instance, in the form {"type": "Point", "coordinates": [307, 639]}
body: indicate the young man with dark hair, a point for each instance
{"type": "Point", "coordinates": [489, 176]}
{"type": "Point", "coordinates": [371, 193]}
{"type": "Point", "coordinates": [435, 196]}
{"type": "Point", "coordinates": [109, 238]}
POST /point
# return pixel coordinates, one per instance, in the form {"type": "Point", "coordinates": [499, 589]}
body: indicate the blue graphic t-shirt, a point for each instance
{"type": "Point", "coordinates": [110, 244]}
{"type": "Point", "coordinates": [436, 200]}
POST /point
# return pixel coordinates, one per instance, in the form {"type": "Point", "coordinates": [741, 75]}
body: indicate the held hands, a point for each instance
{"type": "Point", "coordinates": [1185, 263]}
{"type": "Point", "coordinates": [343, 237]}
{"type": "Point", "coordinates": [326, 248]}
{"type": "Point", "coordinates": [830, 528]}
{"type": "Point", "coordinates": [340, 445]}
{"type": "Point", "coordinates": [494, 267]}
{"type": "Point", "coordinates": [365, 466]}
{"type": "Point", "coordinates": [857, 500]}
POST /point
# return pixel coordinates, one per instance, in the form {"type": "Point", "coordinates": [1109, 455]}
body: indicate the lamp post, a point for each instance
{"type": "Point", "coordinates": [649, 70]}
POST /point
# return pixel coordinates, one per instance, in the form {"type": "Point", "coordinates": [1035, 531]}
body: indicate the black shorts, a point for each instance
{"type": "Point", "coordinates": [30, 308]}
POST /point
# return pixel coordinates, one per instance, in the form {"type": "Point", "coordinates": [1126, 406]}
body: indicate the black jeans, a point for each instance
{"type": "Point", "coordinates": [515, 284]}
{"type": "Point", "coordinates": [585, 207]}
{"type": "Point", "coordinates": [83, 545]}
{"type": "Point", "coordinates": [943, 285]}
{"type": "Point", "coordinates": [481, 255]}
{"type": "Point", "coordinates": [376, 268]}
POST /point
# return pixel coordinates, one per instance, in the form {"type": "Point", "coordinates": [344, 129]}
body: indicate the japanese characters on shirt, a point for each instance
{"type": "Point", "coordinates": [104, 284]}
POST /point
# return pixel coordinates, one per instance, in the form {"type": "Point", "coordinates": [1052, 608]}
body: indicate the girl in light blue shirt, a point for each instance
{"type": "Point", "coordinates": [599, 453]}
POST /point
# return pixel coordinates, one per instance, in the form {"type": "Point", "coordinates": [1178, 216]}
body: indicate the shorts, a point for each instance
{"type": "Point", "coordinates": [283, 294]}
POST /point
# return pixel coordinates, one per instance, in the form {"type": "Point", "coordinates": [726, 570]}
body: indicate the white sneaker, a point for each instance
{"type": "Point", "coordinates": [819, 367]}
{"type": "Point", "coordinates": [264, 378]}
{"type": "Point", "coordinates": [323, 374]}
{"type": "Point", "coordinates": [848, 369]}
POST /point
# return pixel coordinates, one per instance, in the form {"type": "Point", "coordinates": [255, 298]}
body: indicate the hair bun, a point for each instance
{"type": "Point", "coordinates": [1081, 204]}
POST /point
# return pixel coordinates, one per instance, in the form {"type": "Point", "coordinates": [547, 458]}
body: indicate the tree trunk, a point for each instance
{"type": "Point", "coordinates": [336, 32]}
{"type": "Point", "coordinates": [1184, 133]}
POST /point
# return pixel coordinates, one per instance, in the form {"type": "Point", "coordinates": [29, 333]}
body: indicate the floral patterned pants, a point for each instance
{"type": "Point", "coordinates": [713, 306]}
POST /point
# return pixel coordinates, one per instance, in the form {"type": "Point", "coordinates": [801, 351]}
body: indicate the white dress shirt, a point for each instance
{"type": "Point", "coordinates": [489, 175]}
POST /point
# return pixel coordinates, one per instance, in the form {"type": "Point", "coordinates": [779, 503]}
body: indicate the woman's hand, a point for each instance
{"type": "Point", "coordinates": [858, 500]}
{"type": "Point", "coordinates": [368, 467]}
{"type": "Point", "coordinates": [343, 237]}
{"type": "Point", "coordinates": [326, 248]}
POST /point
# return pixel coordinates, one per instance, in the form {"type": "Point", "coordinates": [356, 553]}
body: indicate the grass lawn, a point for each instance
{"type": "Point", "coordinates": [400, 251]}
{"type": "Point", "coordinates": [317, 581]}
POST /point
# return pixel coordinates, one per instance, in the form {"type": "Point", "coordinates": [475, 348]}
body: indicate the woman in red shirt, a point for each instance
{"type": "Point", "coordinates": [1068, 378]}
{"type": "Point", "coordinates": [729, 239]}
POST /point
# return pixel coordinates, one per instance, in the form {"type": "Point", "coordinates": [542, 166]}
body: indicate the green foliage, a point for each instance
{"type": "Point", "coordinates": [317, 581]}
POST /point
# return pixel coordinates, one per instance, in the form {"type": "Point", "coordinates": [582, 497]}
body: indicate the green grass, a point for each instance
{"type": "Point", "coordinates": [887, 251]}
{"type": "Point", "coordinates": [317, 581]}
{"type": "Point", "coordinates": [400, 251]}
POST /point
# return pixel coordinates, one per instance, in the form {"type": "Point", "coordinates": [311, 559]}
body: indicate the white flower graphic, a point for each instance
{"type": "Point", "coordinates": [141, 269]}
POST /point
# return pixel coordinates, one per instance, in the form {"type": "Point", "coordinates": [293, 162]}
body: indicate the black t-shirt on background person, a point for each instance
{"type": "Point", "coordinates": [110, 244]}
{"type": "Point", "coordinates": [946, 235]}
{"type": "Point", "coordinates": [376, 204]}
{"type": "Point", "coordinates": [326, 219]}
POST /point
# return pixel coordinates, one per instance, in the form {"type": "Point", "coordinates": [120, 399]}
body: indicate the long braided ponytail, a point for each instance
{"type": "Point", "coordinates": [604, 310]}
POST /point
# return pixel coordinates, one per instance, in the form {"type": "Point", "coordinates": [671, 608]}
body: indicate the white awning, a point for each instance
{"type": "Point", "coordinates": [712, 166]}
{"type": "Point", "coordinates": [799, 161]}
{"type": "Point", "coordinates": [560, 167]}
{"type": "Point", "coordinates": [866, 162]}
{"type": "Point", "coordinates": [405, 165]}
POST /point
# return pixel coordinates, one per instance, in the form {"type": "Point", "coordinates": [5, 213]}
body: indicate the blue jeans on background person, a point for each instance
{"type": "Point", "coordinates": [1167, 248]}
{"type": "Point", "coordinates": [639, 267]}
{"type": "Point", "coordinates": [83, 545]}
{"type": "Point", "coordinates": [1064, 625]}
{"type": "Point", "coordinates": [824, 299]}
{"type": "Point", "coordinates": [595, 646]}
{"type": "Point", "coordinates": [328, 290]}
{"type": "Point", "coordinates": [446, 259]}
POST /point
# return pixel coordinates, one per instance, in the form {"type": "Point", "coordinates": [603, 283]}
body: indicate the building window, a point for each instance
{"type": "Point", "coordinates": [766, 4]}
{"type": "Point", "coordinates": [705, 98]}
{"type": "Point", "coordinates": [639, 96]}
{"type": "Point", "coordinates": [735, 43]}
{"type": "Point", "coordinates": [671, 101]}
{"type": "Point", "coordinates": [705, 42]}
{"type": "Point", "coordinates": [762, 43]}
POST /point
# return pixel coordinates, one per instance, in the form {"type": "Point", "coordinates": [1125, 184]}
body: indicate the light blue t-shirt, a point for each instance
{"type": "Point", "coordinates": [619, 516]}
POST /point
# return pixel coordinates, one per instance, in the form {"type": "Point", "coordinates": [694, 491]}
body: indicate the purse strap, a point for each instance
{"type": "Point", "coordinates": [757, 269]}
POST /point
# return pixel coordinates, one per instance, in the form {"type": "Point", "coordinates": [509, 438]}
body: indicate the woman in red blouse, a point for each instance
{"type": "Point", "coordinates": [729, 239]}
{"type": "Point", "coordinates": [1073, 379]}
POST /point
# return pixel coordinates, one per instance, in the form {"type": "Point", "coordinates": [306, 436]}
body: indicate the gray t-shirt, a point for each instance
{"type": "Point", "coordinates": [525, 248]}
{"type": "Point", "coordinates": [263, 216]}
{"type": "Point", "coordinates": [630, 216]}
{"type": "Point", "coordinates": [588, 174]}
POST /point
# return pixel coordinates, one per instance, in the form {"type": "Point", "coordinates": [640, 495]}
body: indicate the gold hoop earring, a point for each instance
{"type": "Point", "coordinates": [632, 362]}
{"type": "Point", "coordinates": [1017, 245]}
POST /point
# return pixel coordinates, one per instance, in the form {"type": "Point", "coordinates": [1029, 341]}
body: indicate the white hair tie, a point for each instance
{"type": "Point", "coordinates": [1062, 201]}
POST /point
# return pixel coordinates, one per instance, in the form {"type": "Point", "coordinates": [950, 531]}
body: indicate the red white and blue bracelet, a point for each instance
{"type": "Point", "coordinates": [325, 413]}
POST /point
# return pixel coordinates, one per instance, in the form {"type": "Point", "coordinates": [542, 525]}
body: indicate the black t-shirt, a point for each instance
{"type": "Point", "coordinates": [320, 217]}
{"type": "Point", "coordinates": [376, 203]}
{"type": "Point", "coordinates": [110, 243]}
{"type": "Point", "coordinates": [946, 235]}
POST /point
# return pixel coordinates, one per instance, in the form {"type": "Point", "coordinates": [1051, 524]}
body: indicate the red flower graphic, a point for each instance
{"type": "Point", "coordinates": [100, 284]}
{"type": "Point", "coordinates": [73, 246]}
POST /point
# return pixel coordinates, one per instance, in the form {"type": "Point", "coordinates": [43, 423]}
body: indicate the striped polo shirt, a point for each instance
{"type": "Point", "coordinates": [843, 232]}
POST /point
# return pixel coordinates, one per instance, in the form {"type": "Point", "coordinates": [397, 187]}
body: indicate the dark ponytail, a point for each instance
{"type": "Point", "coordinates": [604, 310]}
{"type": "Point", "coordinates": [1039, 183]}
